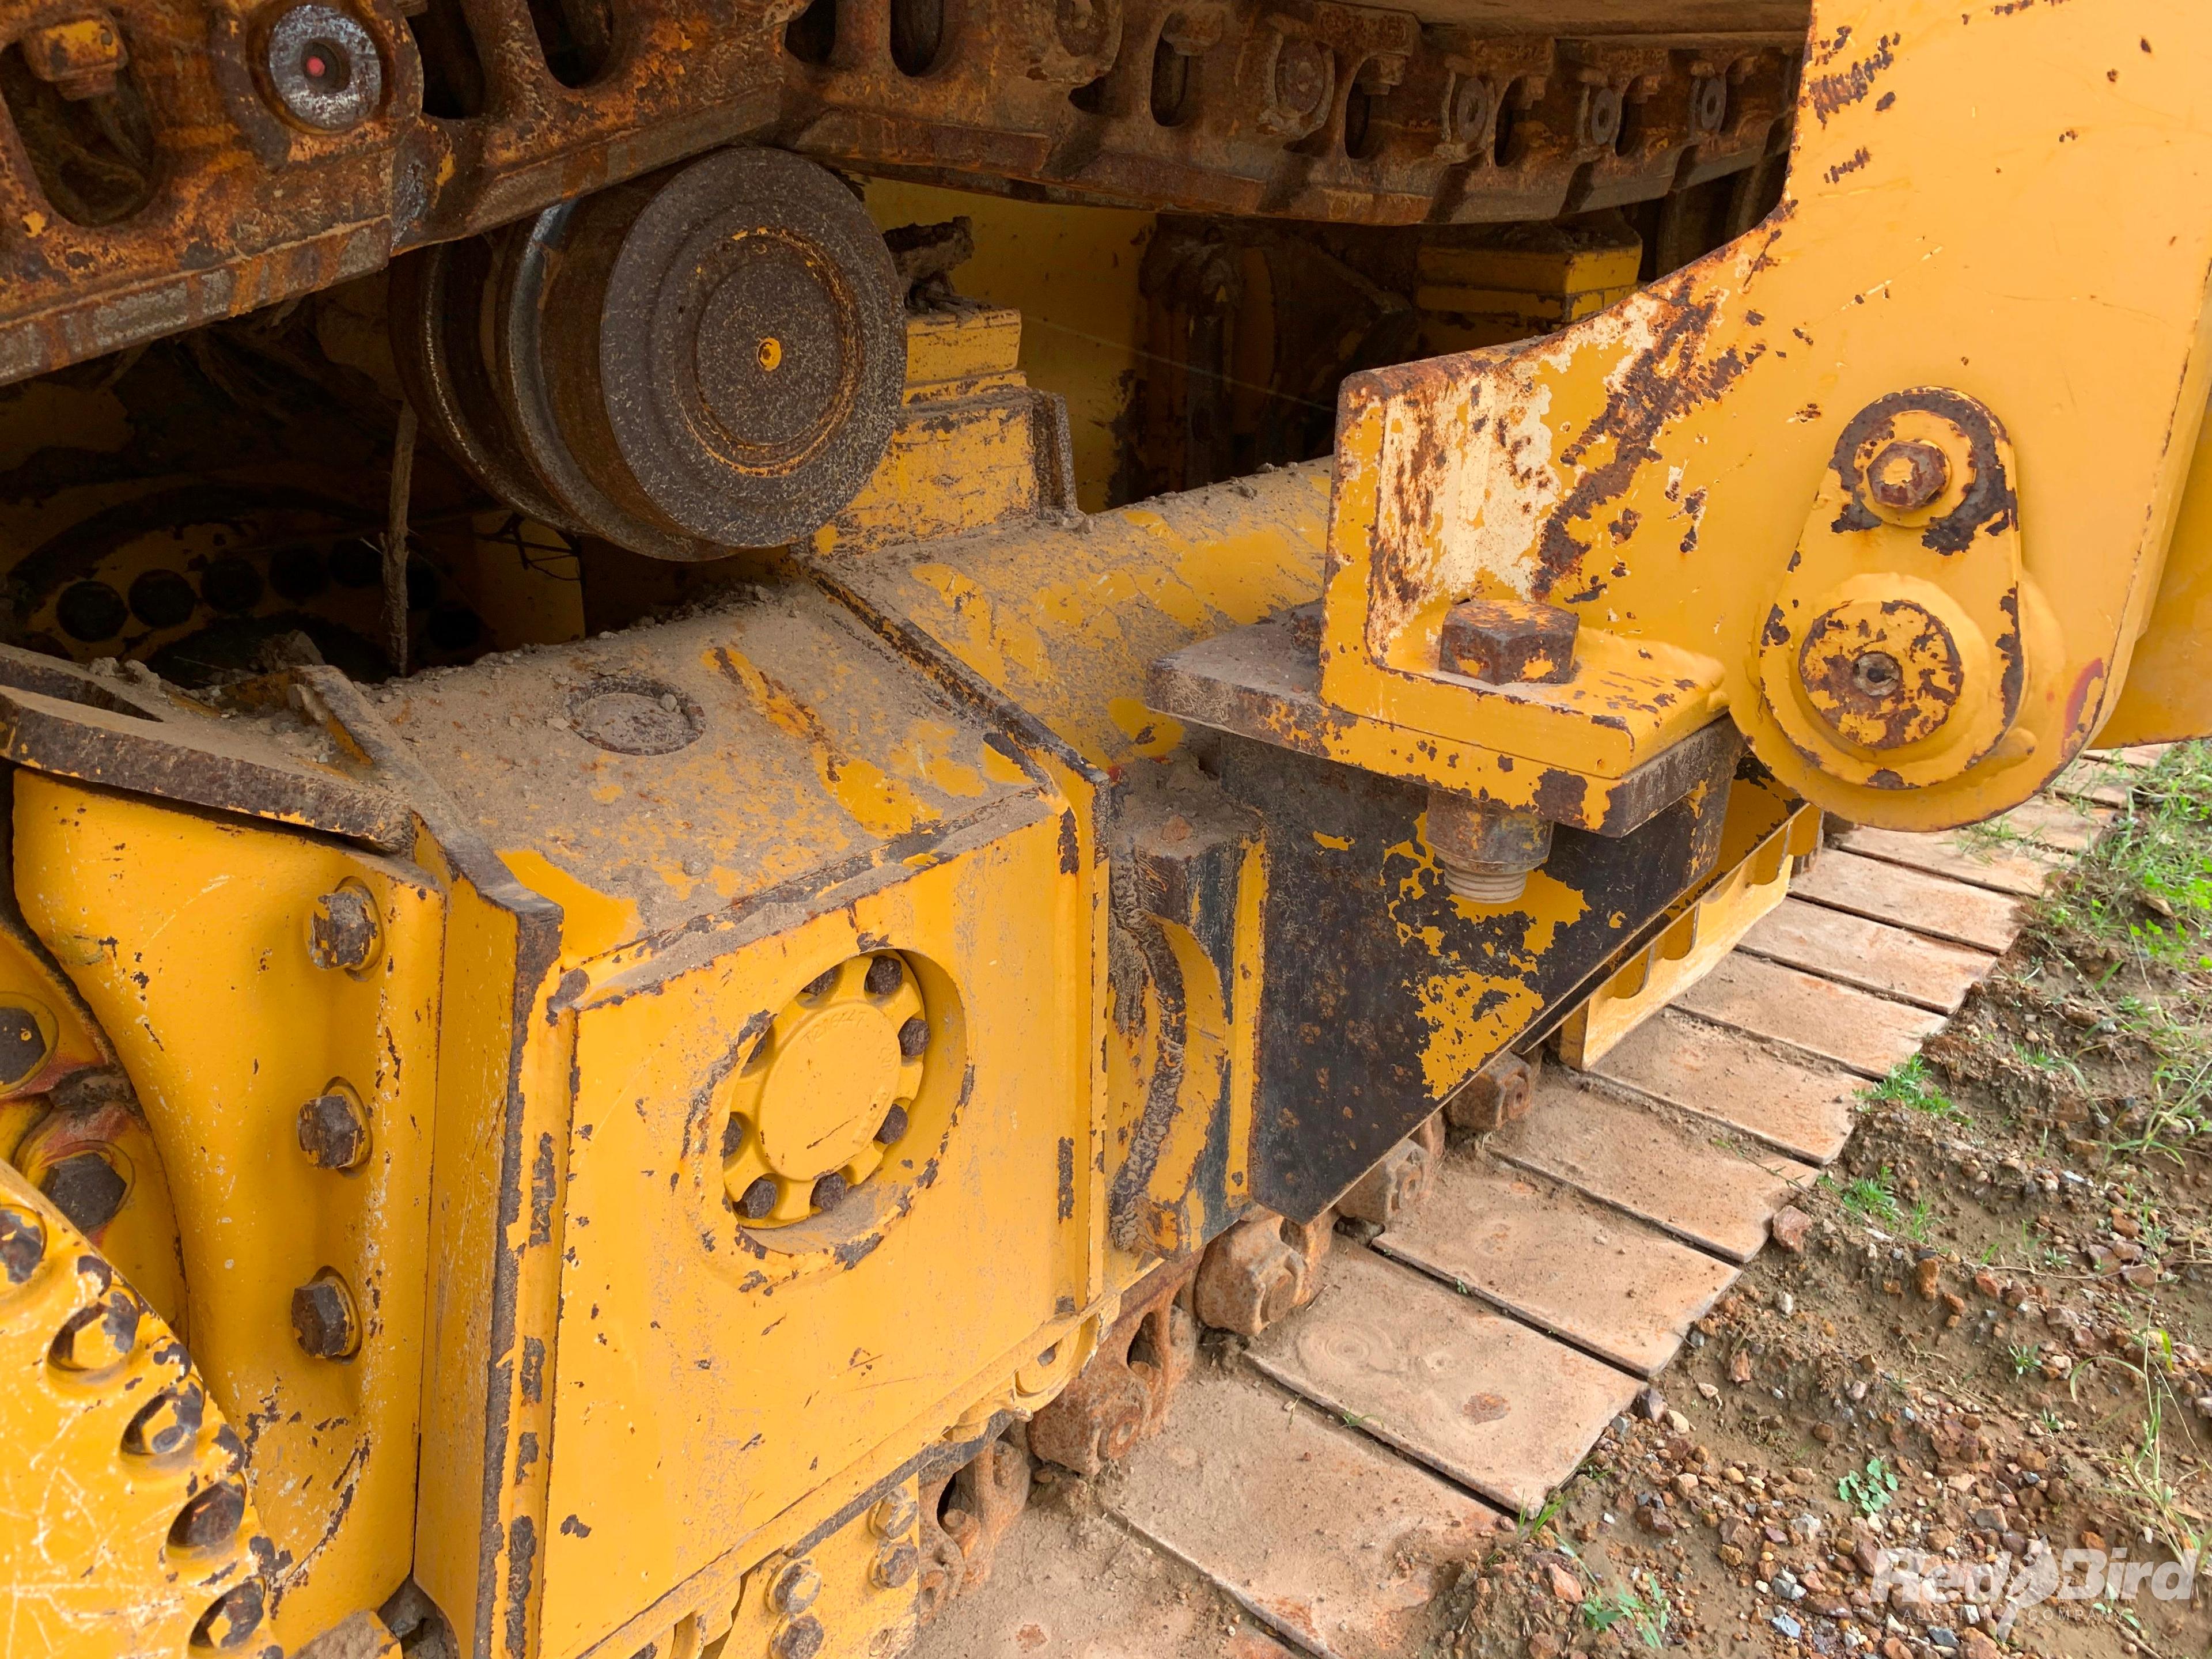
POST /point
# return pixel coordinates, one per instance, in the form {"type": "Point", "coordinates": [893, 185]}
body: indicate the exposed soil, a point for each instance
{"type": "Point", "coordinates": [1992, 1345]}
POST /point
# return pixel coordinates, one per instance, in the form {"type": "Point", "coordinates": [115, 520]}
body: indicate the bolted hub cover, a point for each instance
{"type": "Point", "coordinates": [706, 358]}
{"type": "Point", "coordinates": [752, 346]}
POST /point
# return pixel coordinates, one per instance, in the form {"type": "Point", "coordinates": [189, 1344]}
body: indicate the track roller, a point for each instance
{"type": "Point", "coordinates": [710, 357]}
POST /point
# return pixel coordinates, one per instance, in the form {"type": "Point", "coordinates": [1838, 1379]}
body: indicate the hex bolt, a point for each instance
{"type": "Point", "coordinates": [22, 1044]}
{"type": "Point", "coordinates": [885, 975]}
{"type": "Point", "coordinates": [759, 1199]}
{"type": "Point", "coordinates": [343, 931]}
{"type": "Point", "coordinates": [87, 1188]}
{"type": "Point", "coordinates": [894, 1514]}
{"type": "Point", "coordinates": [98, 1336]}
{"type": "Point", "coordinates": [1486, 853]}
{"type": "Point", "coordinates": [914, 1038]}
{"type": "Point", "coordinates": [210, 1517]}
{"type": "Point", "coordinates": [894, 1566]}
{"type": "Point", "coordinates": [895, 1122]}
{"type": "Point", "coordinates": [324, 68]}
{"type": "Point", "coordinates": [168, 1422]}
{"type": "Point", "coordinates": [830, 1191]}
{"type": "Point", "coordinates": [1906, 474]}
{"type": "Point", "coordinates": [795, 1588]}
{"type": "Point", "coordinates": [1509, 641]}
{"type": "Point", "coordinates": [22, 1243]}
{"type": "Point", "coordinates": [334, 1131]}
{"type": "Point", "coordinates": [800, 1640]}
{"type": "Point", "coordinates": [820, 986]}
{"type": "Point", "coordinates": [1877, 674]}
{"type": "Point", "coordinates": [231, 1622]}
{"type": "Point", "coordinates": [323, 1318]}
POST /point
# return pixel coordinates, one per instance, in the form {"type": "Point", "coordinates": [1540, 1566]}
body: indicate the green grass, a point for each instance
{"type": "Point", "coordinates": [1641, 1604]}
{"type": "Point", "coordinates": [1870, 1197]}
{"type": "Point", "coordinates": [2146, 888]}
{"type": "Point", "coordinates": [1910, 1082]}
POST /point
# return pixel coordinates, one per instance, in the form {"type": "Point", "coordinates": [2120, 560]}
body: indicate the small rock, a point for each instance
{"type": "Point", "coordinates": [1788, 1626]}
{"type": "Point", "coordinates": [1680, 1425]}
{"type": "Point", "coordinates": [1946, 1639]}
{"type": "Point", "coordinates": [1975, 1645]}
{"type": "Point", "coordinates": [1789, 1228]}
{"type": "Point", "coordinates": [1652, 1404]}
{"type": "Point", "coordinates": [1706, 1390]}
{"type": "Point", "coordinates": [1926, 1273]}
{"type": "Point", "coordinates": [1740, 1367]}
{"type": "Point", "coordinates": [1565, 1586]}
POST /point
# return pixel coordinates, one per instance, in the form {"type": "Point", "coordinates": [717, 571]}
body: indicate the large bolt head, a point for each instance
{"type": "Point", "coordinates": [323, 1320]}
{"type": "Point", "coordinates": [795, 1588]}
{"type": "Point", "coordinates": [334, 1131]}
{"type": "Point", "coordinates": [1907, 474]}
{"type": "Point", "coordinates": [1507, 641]}
{"type": "Point", "coordinates": [324, 69]}
{"type": "Point", "coordinates": [895, 1566]}
{"type": "Point", "coordinates": [801, 1638]}
{"type": "Point", "coordinates": [343, 930]}
{"type": "Point", "coordinates": [894, 1514]}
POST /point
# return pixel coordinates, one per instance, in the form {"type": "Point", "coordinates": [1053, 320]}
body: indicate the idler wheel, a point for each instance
{"type": "Point", "coordinates": [709, 357]}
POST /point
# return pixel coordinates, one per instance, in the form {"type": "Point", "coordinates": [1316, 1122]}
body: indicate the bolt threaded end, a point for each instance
{"type": "Point", "coordinates": [1484, 886]}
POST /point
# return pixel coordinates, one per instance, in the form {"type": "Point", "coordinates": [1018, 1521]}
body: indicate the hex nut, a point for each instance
{"type": "Point", "coordinates": [169, 1422]}
{"type": "Point", "coordinates": [334, 1131]}
{"type": "Point", "coordinates": [23, 1045]}
{"type": "Point", "coordinates": [323, 1318]}
{"type": "Point", "coordinates": [914, 1038]}
{"type": "Point", "coordinates": [759, 1199]}
{"type": "Point", "coordinates": [1509, 641]}
{"type": "Point", "coordinates": [343, 931]}
{"type": "Point", "coordinates": [801, 1638]}
{"type": "Point", "coordinates": [830, 1191]}
{"type": "Point", "coordinates": [86, 1188]}
{"type": "Point", "coordinates": [893, 1126]}
{"type": "Point", "coordinates": [22, 1243]}
{"type": "Point", "coordinates": [231, 1622]}
{"type": "Point", "coordinates": [210, 1517]}
{"type": "Point", "coordinates": [1906, 474]}
{"type": "Point", "coordinates": [101, 1335]}
{"type": "Point", "coordinates": [885, 975]}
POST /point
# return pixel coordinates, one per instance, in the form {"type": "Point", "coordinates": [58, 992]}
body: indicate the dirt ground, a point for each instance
{"type": "Point", "coordinates": [1988, 1360]}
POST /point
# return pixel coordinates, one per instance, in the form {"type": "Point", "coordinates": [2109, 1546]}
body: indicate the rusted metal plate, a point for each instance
{"type": "Point", "coordinates": [2002, 867]}
{"type": "Point", "coordinates": [1872, 955]}
{"type": "Point", "coordinates": [1934, 906]}
{"type": "Point", "coordinates": [1328, 1537]}
{"type": "Point", "coordinates": [1868, 1034]}
{"type": "Point", "coordinates": [2062, 826]}
{"type": "Point", "coordinates": [1069, 1585]}
{"type": "Point", "coordinates": [1545, 1254]}
{"type": "Point", "coordinates": [1804, 1110]}
{"type": "Point", "coordinates": [1503, 1410]}
{"type": "Point", "coordinates": [1689, 1177]}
